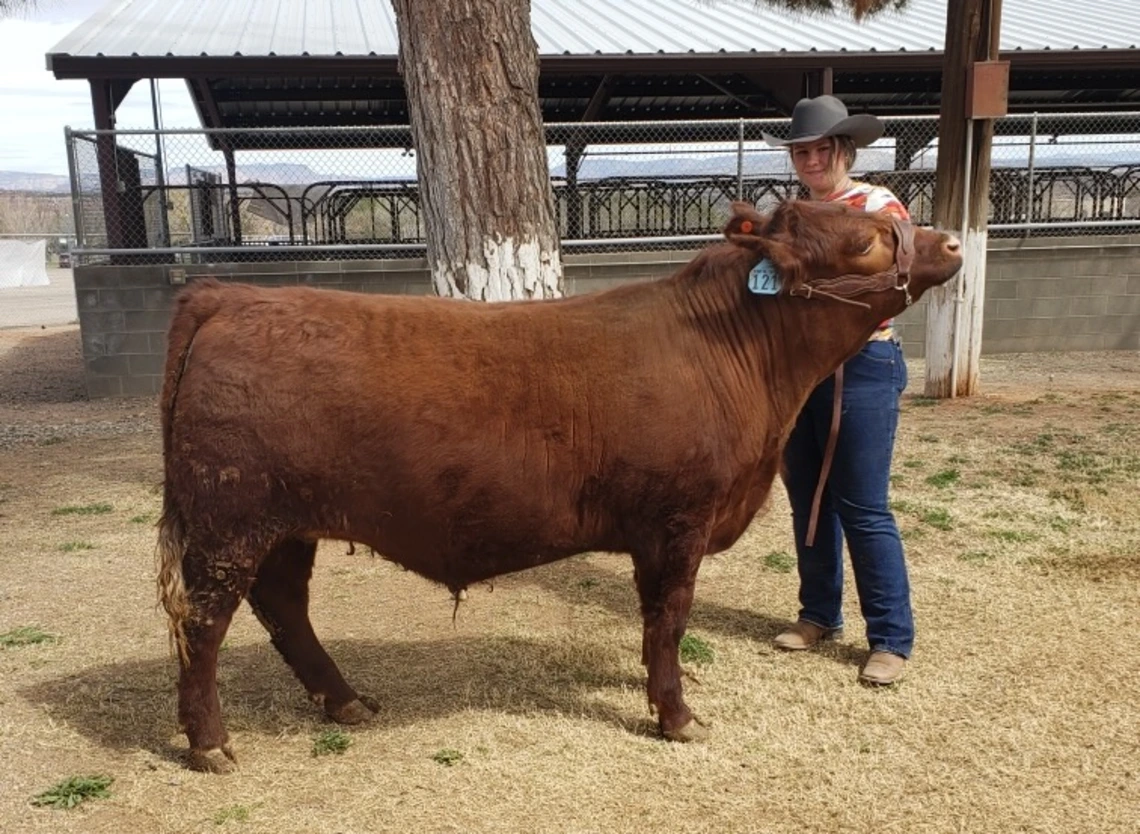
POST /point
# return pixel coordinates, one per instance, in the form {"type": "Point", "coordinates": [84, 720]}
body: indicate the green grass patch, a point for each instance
{"type": "Point", "coordinates": [976, 556]}
{"type": "Point", "coordinates": [587, 584]}
{"type": "Point", "coordinates": [901, 505]}
{"type": "Point", "coordinates": [83, 509]}
{"type": "Point", "coordinates": [51, 441]}
{"type": "Point", "coordinates": [943, 479]}
{"type": "Point", "coordinates": [73, 791]}
{"type": "Point", "coordinates": [928, 438]}
{"type": "Point", "coordinates": [913, 463]}
{"type": "Point", "coordinates": [331, 742]}
{"type": "Point", "coordinates": [1019, 409]}
{"type": "Point", "coordinates": [780, 561]}
{"type": "Point", "coordinates": [924, 402]}
{"type": "Point", "coordinates": [26, 636]}
{"type": "Point", "coordinates": [236, 813]}
{"type": "Point", "coordinates": [1119, 429]}
{"type": "Point", "coordinates": [1086, 463]}
{"type": "Point", "coordinates": [1014, 536]}
{"type": "Point", "coordinates": [145, 518]}
{"type": "Point", "coordinates": [695, 650]}
{"type": "Point", "coordinates": [72, 547]}
{"type": "Point", "coordinates": [937, 518]}
{"type": "Point", "coordinates": [447, 757]}
{"type": "Point", "coordinates": [1061, 525]}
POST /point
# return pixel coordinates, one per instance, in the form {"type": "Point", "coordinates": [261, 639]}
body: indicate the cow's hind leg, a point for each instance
{"type": "Point", "coordinates": [214, 589]}
{"type": "Point", "coordinates": [666, 578]}
{"type": "Point", "coordinates": [280, 599]}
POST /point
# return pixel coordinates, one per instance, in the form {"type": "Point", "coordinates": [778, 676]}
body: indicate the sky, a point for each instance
{"type": "Point", "coordinates": [35, 107]}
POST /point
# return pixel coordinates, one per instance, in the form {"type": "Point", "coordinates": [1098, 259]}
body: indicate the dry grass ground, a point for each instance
{"type": "Point", "coordinates": [1019, 713]}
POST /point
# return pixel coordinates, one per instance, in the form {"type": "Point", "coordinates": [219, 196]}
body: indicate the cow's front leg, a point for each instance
{"type": "Point", "coordinates": [665, 583]}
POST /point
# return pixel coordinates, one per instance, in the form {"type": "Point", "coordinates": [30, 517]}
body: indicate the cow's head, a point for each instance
{"type": "Point", "coordinates": [831, 249]}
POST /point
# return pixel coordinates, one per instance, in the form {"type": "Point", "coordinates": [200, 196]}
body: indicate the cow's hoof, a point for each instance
{"type": "Point", "coordinates": [355, 712]}
{"type": "Point", "coordinates": [369, 702]}
{"type": "Point", "coordinates": [214, 760]}
{"type": "Point", "coordinates": [693, 731]}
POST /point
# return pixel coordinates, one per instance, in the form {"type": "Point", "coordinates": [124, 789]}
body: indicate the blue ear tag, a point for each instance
{"type": "Point", "coordinates": [763, 279]}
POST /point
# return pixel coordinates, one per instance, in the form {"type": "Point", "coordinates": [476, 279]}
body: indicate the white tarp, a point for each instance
{"type": "Point", "coordinates": [22, 264]}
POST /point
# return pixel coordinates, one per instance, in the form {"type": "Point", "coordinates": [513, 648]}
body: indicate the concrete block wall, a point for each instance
{"type": "Point", "coordinates": [1062, 294]}
{"type": "Point", "coordinates": [1052, 294]}
{"type": "Point", "coordinates": [124, 311]}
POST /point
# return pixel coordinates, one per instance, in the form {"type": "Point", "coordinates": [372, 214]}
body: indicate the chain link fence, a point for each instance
{"type": "Point", "coordinates": [234, 195]}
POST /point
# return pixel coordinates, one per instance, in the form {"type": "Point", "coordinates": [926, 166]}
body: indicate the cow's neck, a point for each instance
{"type": "Point", "coordinates": [824, 333]}
{"type": "Point", "coordinates": [772, 352]}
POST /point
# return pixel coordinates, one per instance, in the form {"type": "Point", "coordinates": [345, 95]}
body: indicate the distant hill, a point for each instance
{"type": "Point", "coordinates": [283, 173]}
{"type": "Point", "coordinates": [599, 165]}
{"type": "Point", "coordinates": [42, 183]}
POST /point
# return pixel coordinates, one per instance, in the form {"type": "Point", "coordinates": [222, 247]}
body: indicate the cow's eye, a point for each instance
{"type": "Point", "coordinates": [867, 247]}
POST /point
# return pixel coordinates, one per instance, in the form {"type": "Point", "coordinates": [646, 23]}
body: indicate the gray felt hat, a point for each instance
{"type": "Point", "coordinates": [815, 118]}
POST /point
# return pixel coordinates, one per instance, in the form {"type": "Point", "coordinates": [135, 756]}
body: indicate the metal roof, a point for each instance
{"type": "Point", "coordinates": [294, 63]}
{"type": "Point", "coordinates": [281, 28]}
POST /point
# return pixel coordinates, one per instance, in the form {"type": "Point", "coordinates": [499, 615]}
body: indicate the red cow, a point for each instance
{"type": "Point", "coordinates": [464, 441]}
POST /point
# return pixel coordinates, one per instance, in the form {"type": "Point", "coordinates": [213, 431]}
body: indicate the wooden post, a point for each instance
{"type": "Point", "coordinates": [961, 191]}
{"type": "Point", "coordinates": [235, 206]}
{"type": "Point", "coordinates": [103, 107]}
{"type": "Point", "coordinates": [574, 150]}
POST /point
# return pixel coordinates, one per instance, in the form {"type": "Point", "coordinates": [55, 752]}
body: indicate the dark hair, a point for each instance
{"type": "Point", "coordinates": [844, 145]}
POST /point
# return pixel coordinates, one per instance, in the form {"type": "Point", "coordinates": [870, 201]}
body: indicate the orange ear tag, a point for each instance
{"type": "Point", "coordinates": [746, 226]}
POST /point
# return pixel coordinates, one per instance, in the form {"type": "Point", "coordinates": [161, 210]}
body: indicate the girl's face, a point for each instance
{"type": "Point", "coordinates": [818, 166]}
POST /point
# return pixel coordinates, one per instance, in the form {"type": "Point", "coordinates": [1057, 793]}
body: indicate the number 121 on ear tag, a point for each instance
{"type": "Point", "coordinates": [763, 279]}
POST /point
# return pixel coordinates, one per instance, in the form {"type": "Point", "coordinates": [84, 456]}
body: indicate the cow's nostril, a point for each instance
{"type": "Point", "coordinates": [952, 244]}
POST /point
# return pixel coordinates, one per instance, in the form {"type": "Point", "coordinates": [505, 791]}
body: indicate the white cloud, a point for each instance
{"type": "Point", "coordinates": [36, 106]}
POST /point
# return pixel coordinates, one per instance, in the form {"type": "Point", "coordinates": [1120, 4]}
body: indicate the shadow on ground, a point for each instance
{"type": "Point", "coordinates": [131, 706]}
{"type": "Point", "coordinates": [580, 582]}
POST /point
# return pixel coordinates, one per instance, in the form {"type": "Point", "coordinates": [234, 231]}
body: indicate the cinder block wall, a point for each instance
{"type": "Point", "coordinates": [1052, 294]}
{"type": "Point", "coordinates": [1057, 294]}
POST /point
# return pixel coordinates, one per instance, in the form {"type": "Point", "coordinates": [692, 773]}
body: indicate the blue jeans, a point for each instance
{"type": "Point", "coordinates": [854, 503]}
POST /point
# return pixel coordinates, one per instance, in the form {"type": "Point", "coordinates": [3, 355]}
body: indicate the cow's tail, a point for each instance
{"type": "Point", "coordinates": [194, 307]}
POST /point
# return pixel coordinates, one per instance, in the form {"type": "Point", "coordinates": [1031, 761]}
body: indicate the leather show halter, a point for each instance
{"type": "Point", "coordinates": [842, 288]}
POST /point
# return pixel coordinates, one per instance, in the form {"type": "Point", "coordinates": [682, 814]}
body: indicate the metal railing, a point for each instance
{"type": "Point", "coordinates": [182, 195]}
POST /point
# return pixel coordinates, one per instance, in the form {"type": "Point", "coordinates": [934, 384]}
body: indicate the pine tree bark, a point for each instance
{"type": "Point", "coordinates": [470, 68]}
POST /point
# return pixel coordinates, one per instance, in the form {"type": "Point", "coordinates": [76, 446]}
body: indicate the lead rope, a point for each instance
{"type": "Point", "coordinates": [828, 454]}
{"type": "Point", "coordinates": [904, 260]}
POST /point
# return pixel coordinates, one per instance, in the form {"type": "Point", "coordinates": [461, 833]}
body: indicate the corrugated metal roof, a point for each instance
{"type": "Point", "coordinates": [189, 28]}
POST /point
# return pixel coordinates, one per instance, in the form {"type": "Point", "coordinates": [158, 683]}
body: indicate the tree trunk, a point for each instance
{"type": "Point", "coordinates": [954, 311]}
{"type": "Point", "coordinates": [470, 68]}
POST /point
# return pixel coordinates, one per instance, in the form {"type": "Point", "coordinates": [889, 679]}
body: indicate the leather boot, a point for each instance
{"type": "Point", "coordinates": [882, 669]}
{"type": "Point", "coordinates": [804, 635]}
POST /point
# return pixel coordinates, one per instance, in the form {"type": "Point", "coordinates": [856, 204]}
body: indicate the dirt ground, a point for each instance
{"type": "Point", "coordinates": [527, 712]}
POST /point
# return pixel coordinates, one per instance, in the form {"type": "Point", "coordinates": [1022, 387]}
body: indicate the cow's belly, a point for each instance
{"type": "Point", "coordinates": [452, 524]}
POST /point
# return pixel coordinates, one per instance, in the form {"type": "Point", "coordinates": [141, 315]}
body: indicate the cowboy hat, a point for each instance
{"type": "Point", "coordinates": [815, 118]}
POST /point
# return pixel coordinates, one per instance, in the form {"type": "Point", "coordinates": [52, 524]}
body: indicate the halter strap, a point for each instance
{"type": "Point", "coordinates": [847, 286]}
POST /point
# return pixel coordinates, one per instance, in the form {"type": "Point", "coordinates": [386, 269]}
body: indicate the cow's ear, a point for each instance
{"type": "Point", "coordinates": [786, 261]}
{"type": "Point", "coordinates": [746, 227]}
